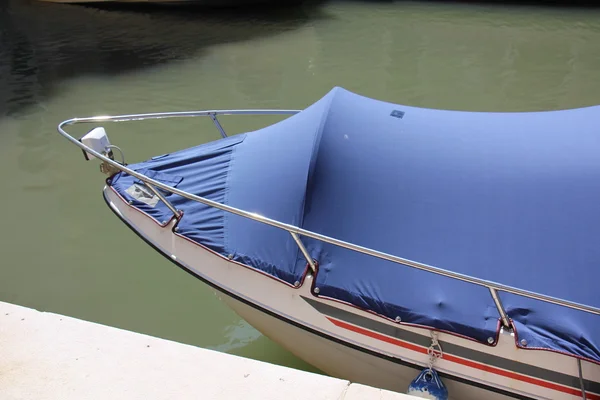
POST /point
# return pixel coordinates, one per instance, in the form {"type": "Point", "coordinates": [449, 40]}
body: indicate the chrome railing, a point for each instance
{"type": "Point", "coordinates": [295, 231]}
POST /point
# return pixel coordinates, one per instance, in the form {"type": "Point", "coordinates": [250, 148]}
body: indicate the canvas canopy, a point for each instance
{"type": "Point", "coordinates": [509, 197]}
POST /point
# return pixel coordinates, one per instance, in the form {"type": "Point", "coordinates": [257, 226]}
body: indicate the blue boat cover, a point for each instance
{"type": "Point", "coordinates": [508, 197]}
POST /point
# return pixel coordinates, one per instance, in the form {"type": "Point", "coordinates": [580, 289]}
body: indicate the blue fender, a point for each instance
{"type": "Point", "coordinates": [428, 385]}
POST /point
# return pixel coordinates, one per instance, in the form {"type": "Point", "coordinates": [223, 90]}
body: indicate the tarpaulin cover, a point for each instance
{"type": "Point", "coordinates": [508, 197]}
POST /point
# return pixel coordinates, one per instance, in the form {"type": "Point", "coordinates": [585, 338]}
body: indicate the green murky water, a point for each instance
{"type": "Point", "coordinates": [64, 251]}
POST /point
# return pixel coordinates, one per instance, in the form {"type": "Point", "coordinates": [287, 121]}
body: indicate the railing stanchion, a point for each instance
{"type": "Point", "coordinates": [583, 394]}
{"type": "Point", "coordinates": [163, 199]}
{"type": "Point", "coordinates": [213, 116]}
{"type": "Point", "coordinates": [500, 308]}
{"type": "Point", "coordinates": [310, 261]}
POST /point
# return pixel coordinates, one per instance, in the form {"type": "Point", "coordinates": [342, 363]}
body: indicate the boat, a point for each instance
{"type": "Point", "coordinates": [387, 244]}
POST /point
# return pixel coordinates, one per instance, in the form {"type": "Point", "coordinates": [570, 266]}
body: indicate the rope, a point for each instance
{"type": "Point", "coordinates": [583, 396]}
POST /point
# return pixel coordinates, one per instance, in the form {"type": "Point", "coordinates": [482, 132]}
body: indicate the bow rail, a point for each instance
{"type": "Point", "coordinates": [295, 231]}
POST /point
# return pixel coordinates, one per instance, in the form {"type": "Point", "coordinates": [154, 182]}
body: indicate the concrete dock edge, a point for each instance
{"type": "Point", "coordinates": [51, 356]}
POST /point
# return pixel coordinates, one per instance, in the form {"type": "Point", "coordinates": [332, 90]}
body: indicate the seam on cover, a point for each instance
{"type": "Point", "coordinates": [314, 152]}
{"type": "Point", "coordinates": [311, 162]}
{"type": "Point", "coordinates": [226, 201]}
{"type": "Point", "coordinates": [226, 215]}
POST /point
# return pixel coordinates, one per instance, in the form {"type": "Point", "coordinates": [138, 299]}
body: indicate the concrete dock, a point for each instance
{"type": "Point", "coordinates": [50, 356]}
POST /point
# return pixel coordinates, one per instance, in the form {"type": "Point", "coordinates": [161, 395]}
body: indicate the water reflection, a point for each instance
{"type": "Point", "coordinates": [237, 335]}
{"type": "Point", "coordinates": [42, 44]}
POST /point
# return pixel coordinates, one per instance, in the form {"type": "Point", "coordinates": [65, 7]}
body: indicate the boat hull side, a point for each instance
{"type": "Point", "coordinates": [350, 348]}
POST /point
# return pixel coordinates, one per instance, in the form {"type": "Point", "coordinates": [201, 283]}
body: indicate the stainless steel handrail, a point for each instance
{"type": "Point", "coordinates": [493, 287]}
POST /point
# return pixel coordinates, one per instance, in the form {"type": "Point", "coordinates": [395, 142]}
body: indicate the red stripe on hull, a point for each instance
{"type": "Point", "coordinates": [462, 361]}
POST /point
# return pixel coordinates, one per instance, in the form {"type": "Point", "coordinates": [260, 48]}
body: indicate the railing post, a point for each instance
{"type": "Point", "coordinates": [310, 261]}
{"type": "Point", "coordinates": [583, 394]}
{"type": "Point", "coordinates": [503, 315]}
{"type": "Point", "coordinates": [163, 199]}
{"type": "Point", "coordinates": [213, 116]}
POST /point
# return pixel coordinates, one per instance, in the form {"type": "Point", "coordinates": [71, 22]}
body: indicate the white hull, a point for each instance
{"type": "Point", "coordinates": [348, 343]}
{"type": "Point", "coordinates": [342, 361]}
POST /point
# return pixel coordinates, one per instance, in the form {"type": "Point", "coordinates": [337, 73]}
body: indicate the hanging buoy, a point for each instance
{"type": "Point", "coordinates": [428, 385]}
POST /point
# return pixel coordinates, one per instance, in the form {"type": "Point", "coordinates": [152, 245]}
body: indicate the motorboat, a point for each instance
{"type": "Point", "coordinates": [388, 244]}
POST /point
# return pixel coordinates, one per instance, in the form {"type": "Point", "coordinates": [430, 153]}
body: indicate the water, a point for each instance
{"type": "Point", "coordinates": [64, 251]}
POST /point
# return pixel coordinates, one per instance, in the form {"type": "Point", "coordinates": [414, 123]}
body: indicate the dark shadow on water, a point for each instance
{"type": "Point", "coordinates": [42, 44]}
{"type": "Point", "coordinates": [229, 7]}
{"type": "Point", "coordinates": [529, 3]}
{"type": "Point", "coordinates": [499, 3]}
